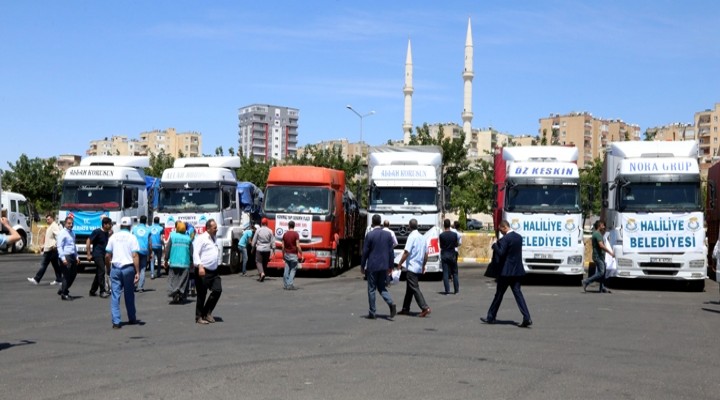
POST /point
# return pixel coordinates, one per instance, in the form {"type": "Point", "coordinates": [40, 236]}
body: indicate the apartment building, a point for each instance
{"type": "Point", "coordinates": [706, 127]}
{"type": "Point", "coordinates": [268, 132]}
{"type": "Point", "coordinates": [591, 135]}
{"type": "Point", "coordinates": [65, 161]}
{"type": "Point", "coordinates": [348, 150]}
{"type": "Point", "coordinates": [186, 144]}
{"type": "Point", "coordinates": [674, 131]}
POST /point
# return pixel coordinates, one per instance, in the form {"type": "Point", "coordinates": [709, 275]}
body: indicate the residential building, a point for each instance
{"type": "Point", "coordinates": [65, 161]}
{"type": "Point", "coordinates": [348, 150]}
{"type": "Point", "coordinates": [671, 132]}
{"type": "Point", "coordinates": [706, 127]}
{"type": "Point", "coordinates": [268, 132]}
{"type": "Point", "coordinates": [186, 144]}
{"type": "Point", "coordinates": [591, 135]}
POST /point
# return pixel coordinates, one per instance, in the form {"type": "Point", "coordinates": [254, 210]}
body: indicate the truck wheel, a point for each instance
{"type": "Point", "coordinates": [234, 257]}
{"type": "Point", "coordinates": [21, 244]}
{"type": "Point", "coordinates": [697, 286]}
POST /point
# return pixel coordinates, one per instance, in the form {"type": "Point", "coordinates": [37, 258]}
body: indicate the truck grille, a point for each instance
{"type": "Point", "coordinates": [543, 264]}
{"type": "Point", "coordinates": [660, 269]}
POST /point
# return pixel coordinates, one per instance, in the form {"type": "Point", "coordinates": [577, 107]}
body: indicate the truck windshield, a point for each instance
{"type": "Point", "coordinates": [659, 196]}
{"type": "Point", "coordinates": [189, 200]}
{"type": "Point", "coordinates": [543, 198]}
{"type": "Point", "coordinates": [90, 196]}
{"type": "Point", "coordinates": [297, 199]}
{"type": "Point", "coordinates": [382, 197]}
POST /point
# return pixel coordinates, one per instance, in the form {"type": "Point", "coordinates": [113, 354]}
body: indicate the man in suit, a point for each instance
{"type": "Point", "coordinates": [377, 262]}
{"type": "Point", "coordinates": [509, 252]}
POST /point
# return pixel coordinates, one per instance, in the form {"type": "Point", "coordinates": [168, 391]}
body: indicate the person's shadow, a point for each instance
{"type": "Point", "coordinates": [5, 346]}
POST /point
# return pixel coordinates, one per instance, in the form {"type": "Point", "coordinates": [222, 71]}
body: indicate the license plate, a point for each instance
{"type": "Point", "coordinates": [543, 256]}
{"type": "Point", "coordinates": [660, 259]}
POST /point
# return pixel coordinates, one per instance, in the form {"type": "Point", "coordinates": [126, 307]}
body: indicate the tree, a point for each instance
{"type": "Point", "coordinates": [555, 136]}
{"type": "Point", "coordinates": [38, 179]}
{"type": "Point", "coordinates": [543, 140]}
{"type": "Point", "coordinates": [355, 178]}
{"type": "Point", "coordinates": [159, 163]}
{"type": "Point", "coordinates": [253, 171]}
{"type": "Point", "coordinates": [590, 177]}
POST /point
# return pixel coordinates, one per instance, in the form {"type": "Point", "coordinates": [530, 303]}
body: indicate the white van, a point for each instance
{"type": "Point", "coordinates": [19, 214]}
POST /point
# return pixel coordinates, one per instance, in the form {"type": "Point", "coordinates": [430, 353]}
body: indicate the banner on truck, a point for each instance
{"type": "Point", "coordinates": [546, 231]}
{"type": "Point", "coordinates": [303, 225]}
{"type": "Point", "coordinates": [662, 232]}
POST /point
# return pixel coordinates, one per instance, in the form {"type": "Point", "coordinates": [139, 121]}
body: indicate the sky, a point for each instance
{"type": "Point", "coordinates": [76, 71]}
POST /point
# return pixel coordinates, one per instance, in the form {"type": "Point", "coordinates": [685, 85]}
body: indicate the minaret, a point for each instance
{"type": "Point", "coordinates": [467, 89]}
{"type": "Point", "coordinates": [408, 91]}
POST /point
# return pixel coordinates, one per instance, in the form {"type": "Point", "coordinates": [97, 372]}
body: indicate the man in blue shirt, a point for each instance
{"type": "Point", "coordinates": [67, 252]}
{"type": "Point", "coordinates": [142, 232]}
{"type": "Point", "coordinates": [416, 255]}
{"type": "Point", "coordinates": [243, 244]}
{"type": "Point", "coordinates": [156, 231]}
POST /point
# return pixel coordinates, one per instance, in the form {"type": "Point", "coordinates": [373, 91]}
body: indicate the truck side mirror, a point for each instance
{"type": "Point", "coordinates": [605, 194]}
{"type": "Point", "coordinates": [494, 195]}
{"type": "Point", "coordinates": [712, 192]}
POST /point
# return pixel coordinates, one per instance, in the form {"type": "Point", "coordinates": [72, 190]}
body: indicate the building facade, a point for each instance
{"type": "Point", "coordinates": [268, 132]}
{"type": "Point", "coordinates": [186, 144]}
{"type": "Point", "coordinates": [65, 161]}
{"type": "Point", "coordinates": [348, 149]}
{"type": "Point", "coordinates": [589, 134]}
{"type": "Point", "coordinates": [708, 135]}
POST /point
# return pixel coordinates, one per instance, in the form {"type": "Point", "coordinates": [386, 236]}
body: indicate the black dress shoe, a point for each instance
{"type": "Point", "coordinates": [66, 297]}
{"type": "Point", "coordinates": [93, 294]}
{"type": "Point", "coordinates": [487, 320]}
{"type": "Point", "coordinates": [525, 324]}
{"type": "Point", "coordinates": [393, 310]}
{"type": "Point", "coordinates": [371, 316]}
{"type": "Point", "coordinates": [117, 326]}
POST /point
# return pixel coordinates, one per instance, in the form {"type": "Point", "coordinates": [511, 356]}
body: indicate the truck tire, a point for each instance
{"type": "Point", "coordinates": [697, 286]}
{"type": "Point", "coordinates": [21, 244]}
{"type": "Point", "coordinates": [234, 257]}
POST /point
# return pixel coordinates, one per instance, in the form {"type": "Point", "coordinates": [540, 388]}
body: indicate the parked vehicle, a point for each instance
{"type": "Point", "coordinates": [406, 183]}
{"type": "Point", "coordinates": [473, 224]}
{"type": "Point", "coordinates": [652, 209]}
{"type": "Point", "coordinates": [198, 189]}
{"type": "Point", "coordinates": [537, 190]}
{"type": "Point", "coordinates": [20, 214]}
{"type": "Point", "coordinates": [326, 214]}
{"type": "Point", "coordinates": [112, 186]}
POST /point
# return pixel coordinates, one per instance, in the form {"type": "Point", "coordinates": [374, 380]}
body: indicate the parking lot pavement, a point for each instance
{"type": "Point", "coordinates": [314, 343]}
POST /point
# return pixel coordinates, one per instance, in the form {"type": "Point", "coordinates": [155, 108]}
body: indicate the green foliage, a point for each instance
{"type": "Point", "coordinates": [159, 163]}
{"type": "Point", "coordinates": [470, 185]}
{"type": "Point", "coordinates": [37, 179]}
{"type": "Point", "coordinates": [462, 220]}
{"type": "Point", "coordinates": [253, 171]}
{"type": "Point", "coordinates": [355, 179]}
{"type": "Point", "coordinates": [590, 176]}
{"type": "Point", "coordinates": [543, 140]}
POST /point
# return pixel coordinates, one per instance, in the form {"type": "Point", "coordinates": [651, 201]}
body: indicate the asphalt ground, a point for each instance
{"type": "Point", "coordinates": [640, 342]}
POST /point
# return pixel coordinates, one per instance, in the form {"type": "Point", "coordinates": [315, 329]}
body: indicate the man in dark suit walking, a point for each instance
{"type": "Point", "coordinates": [509, 252]}
{"type": "Point", "coordinates": [377, 262]}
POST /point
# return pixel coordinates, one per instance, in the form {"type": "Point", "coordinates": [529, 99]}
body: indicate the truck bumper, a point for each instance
{"type": "Point", "coordinates": [647, 266]}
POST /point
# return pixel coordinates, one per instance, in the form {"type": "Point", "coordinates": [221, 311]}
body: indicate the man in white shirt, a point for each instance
{"type": "Point", "coordinates": [205, 257]}
{"type": "Point", "coordinates": [386, 227]}
{"type": "Point", "coordinates": [49, 252]}
{"type": "Point", "coordinates": [121, 254]}
{"type": "Point", "coordinates": [416, 255]}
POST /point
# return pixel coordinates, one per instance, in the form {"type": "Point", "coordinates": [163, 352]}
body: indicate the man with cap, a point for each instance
{"type": "Point", "coordinates": [263, 242]}
{"type": "Point", "coordinates": [122, 254]}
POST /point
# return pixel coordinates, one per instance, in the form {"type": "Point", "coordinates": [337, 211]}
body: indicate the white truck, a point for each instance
{"type": "Point", "coordinates": [652, 209]}
{"type": "Point", "coordinates": [197, 189]}
{"type": "Point", "coordinates": [103, 186]}
{"type": "Point", "coordinates": [19, 214]}
{"type": "Point", "coordinates": [537, 190]}
{"type": "Point", "coordinates": [406, 183]}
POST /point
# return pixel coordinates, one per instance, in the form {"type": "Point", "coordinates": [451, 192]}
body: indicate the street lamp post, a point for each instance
{"type": "Point", "coordinates": [361, 116]}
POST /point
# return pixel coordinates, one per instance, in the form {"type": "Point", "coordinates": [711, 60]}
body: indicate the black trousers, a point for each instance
{"type": "Point", "coordinates": [99, 281]}
{"type": "Point", "coordinates": [412, 289]}
{"type": "Point", "coordinates": [49, 257]}
{"type": "Point", "coordinates": [513, 282]}
{"type": "Point", "coordinates": [211, 282]}
{"type": "Point", "coordinates": [69, 272]}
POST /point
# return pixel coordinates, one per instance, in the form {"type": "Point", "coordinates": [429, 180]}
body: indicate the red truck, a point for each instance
{"type": "Point", "coordinates": [326, 214]}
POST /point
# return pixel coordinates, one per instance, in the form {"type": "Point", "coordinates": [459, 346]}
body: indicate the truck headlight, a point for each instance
{"type": "Point", "coordinates": [624, 262]}
{"type": "Point", "coordinates": [575, 260]}
{"type": "Point", "coordinates": [697, 264]}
